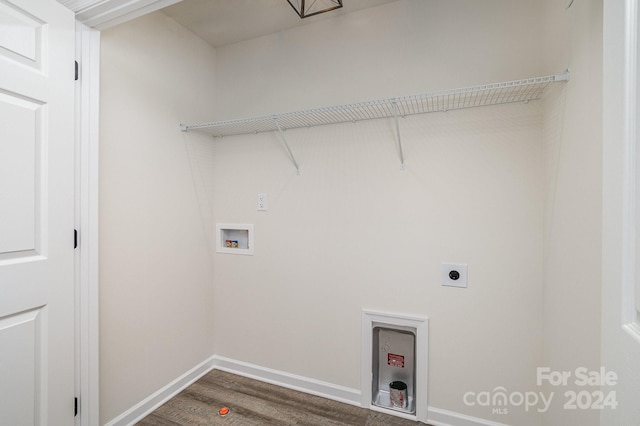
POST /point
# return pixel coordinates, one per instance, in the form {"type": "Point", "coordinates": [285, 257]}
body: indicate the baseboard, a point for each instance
{"type": "Point", "coordinates": [436, 416]}
{"type": "Point", "coordinates": [439, 417]}
{"type": "Point", "coordinates": [146, 406]}
{"type": "Point", "coordinates": [288, 380]}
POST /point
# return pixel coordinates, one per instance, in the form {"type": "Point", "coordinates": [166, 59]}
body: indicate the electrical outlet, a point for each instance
{"type": "Point", "coordinates": [262, 201]}
{"type": "Point", "coordinates": [454, 274]}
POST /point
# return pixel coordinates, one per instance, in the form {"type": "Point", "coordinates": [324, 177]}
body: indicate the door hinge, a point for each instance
{"type": "Point", "coordinates": [75, 238]}
{"type": "Point", "coordinates": [75, 403]}
{"type": "Point", "coordinates": [77, 70]}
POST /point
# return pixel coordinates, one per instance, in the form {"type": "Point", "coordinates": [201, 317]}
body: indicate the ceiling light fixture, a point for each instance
{"type": "Point", "coordinates": [313, 7]}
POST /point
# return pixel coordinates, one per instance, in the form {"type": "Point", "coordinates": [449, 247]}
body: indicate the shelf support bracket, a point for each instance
{"type": "Point", "coordinates": [286, 145]}
{"type": "Point", "coordinates": [395, 117]}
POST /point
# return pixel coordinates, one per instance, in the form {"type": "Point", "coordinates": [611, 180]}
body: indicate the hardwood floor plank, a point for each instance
{"type": "Point", "coordinates": [255, 403]}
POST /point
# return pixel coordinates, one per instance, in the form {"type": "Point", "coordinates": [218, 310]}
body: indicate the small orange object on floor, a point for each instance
{"type": "Point", "coordinates": [223, 411]}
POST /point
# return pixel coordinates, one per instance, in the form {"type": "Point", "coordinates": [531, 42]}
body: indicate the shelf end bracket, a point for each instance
{"type": "Point", "coordinates": [183, 127]}
{"type": "Point", "coordinates": [286, 145]}
{"type": "Point", "coordinates": [562, 76]}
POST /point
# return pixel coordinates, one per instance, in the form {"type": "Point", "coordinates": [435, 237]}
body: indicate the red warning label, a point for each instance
{"type": "Point", "coordinates": [395, 360]}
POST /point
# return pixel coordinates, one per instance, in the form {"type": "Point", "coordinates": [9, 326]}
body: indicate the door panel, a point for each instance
{"type": "Point", "coordinates": [21, 359]}
{"type": "Point", "coordinates": [37, 43]}
{"type": "Point", "coordinates": [20, 154]}
{"type": "Point", "coordinates": [20, 35]}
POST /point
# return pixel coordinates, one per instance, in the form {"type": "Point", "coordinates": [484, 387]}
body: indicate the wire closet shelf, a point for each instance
{"type": "Point", "coordinates": [467, 97]}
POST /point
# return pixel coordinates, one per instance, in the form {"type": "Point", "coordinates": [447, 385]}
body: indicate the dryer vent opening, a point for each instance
{"type": "Point", "coordinates": [394, 368]}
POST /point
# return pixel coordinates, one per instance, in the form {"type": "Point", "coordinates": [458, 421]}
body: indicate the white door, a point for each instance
{"type": "Point", "coordinates": [36, 213]}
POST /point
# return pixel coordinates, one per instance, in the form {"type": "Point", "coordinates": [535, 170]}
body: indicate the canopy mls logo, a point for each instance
{"type": "Point", "coordinates": [501, 401]}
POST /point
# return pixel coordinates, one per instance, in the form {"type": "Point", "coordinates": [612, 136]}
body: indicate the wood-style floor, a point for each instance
{"type": "Point", "coordinates": [254, 403]}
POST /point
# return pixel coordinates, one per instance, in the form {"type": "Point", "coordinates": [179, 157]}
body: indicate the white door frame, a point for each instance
{"type": "Point", "coordinates": [621, 216]}
{"type": "Point", "coordinates": [86, 222]}
{"type": "Point", "coordinates": [91, 17]}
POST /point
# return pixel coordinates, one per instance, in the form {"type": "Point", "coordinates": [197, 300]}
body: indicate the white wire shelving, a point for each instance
{"type": "Point", "coordinates": [524, 90]}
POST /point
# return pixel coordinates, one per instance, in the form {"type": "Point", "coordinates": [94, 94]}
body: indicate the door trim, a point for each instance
{"type": "Point", "coordinates": [631, 191]}
{"type": "Point", "coordinates": [103, 14]}
{"type": "Point", "coordinates": [86, 222]}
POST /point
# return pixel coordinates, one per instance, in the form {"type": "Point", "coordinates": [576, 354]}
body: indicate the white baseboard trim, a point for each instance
{"type": "Point", "coordinates": [436, 416]}
{"type": "Point", "coordinates": [149, 404]}
{"type": "Point", "coordinates": [439, 417]}
{"type": "Point", "coordinates": [288, 380]}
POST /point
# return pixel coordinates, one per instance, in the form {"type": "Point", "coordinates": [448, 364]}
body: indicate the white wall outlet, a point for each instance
{"type": "Point", "coordinates": [454, 274]}
{"type": "Point", "coordinates": [262, 201]}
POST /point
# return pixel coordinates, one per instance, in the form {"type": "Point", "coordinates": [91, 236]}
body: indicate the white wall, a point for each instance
{"type": "Point", "coordinates": [156, 292]}
{"type": "Point", "coordinates": [402, 48]}
{"type": "Point", "coordinates": [573, 210]}
{"type": "Point", "coordinates": [511, 190]}
{"type": "Point", "coordinates": [353, 231]}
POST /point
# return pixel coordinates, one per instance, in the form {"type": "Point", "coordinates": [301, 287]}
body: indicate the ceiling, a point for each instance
{"type": "Point", "coordinates": [222, 22]}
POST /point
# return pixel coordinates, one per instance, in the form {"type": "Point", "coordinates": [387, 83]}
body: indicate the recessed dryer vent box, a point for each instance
{"type": "Point", "coordinates": [394, 354]}
{"type": "Point", "coordinates": [394, 364]}
{"type": "Point", "coordinates": [233, 238]}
